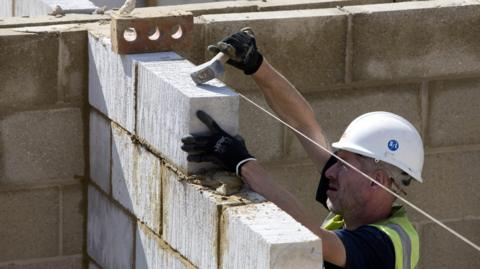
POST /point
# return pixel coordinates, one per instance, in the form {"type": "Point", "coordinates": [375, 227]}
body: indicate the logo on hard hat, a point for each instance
{"type": "Point", "coordinates": [393, 145]}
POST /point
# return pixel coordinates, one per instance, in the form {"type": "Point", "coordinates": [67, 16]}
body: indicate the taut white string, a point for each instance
{"type": "Point", "coordinates": [463, 238]}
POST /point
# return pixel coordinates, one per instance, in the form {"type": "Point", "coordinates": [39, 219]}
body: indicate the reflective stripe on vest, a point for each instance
{"type": "Point", "coordinates": [400, 231]}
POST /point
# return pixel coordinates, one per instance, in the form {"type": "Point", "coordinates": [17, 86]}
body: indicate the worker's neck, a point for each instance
{"type": "Point", "coordinates": [367, 215]}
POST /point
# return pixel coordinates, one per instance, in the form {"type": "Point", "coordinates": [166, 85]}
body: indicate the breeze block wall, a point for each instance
{"type": "Point", "coordinates": [43, 83]}
{"type": "Point", "coordinates": [144, 210]}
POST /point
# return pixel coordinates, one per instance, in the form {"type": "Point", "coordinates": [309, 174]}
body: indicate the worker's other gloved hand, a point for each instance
{"type": "Point", "coordinates": [218, 147]}
{"type": "Point", "coordinates": [242, 50]}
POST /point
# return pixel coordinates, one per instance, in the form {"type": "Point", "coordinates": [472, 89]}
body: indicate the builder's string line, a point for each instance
{"type": "Point", "coordinates": [455, 233]}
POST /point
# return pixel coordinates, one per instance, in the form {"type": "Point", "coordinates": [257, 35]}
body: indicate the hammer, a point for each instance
{"type": "Point", "coordinates": [214, 68]}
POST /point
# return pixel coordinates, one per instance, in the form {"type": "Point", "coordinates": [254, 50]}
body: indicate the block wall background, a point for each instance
{"type": "Point", "coordinates": [43, 84]}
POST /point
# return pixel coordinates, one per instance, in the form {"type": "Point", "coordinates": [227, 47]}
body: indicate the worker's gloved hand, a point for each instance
{"type": "Point", "coordinates": [242, 50]}
{"type": "Point", "coordinates": [218, 147]}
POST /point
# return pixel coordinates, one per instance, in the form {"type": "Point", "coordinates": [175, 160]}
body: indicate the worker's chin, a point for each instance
{"type": "Point", "coordinates": [332, 207]}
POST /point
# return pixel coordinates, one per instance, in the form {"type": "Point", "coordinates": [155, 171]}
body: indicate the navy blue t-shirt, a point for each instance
{"type": "Point", "coordinates": [367, 248]}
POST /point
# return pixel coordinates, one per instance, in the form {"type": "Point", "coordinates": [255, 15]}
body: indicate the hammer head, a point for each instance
{"type": "Point", "coordinates": [209, 70]}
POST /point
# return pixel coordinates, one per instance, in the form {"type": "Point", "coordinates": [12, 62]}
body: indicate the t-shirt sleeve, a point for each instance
{"type": "Point", "coordinates": [367, 247]}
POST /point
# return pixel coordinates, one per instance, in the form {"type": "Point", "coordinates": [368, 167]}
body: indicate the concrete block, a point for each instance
{"type": "Point", "coordinates": [453, 179]}
{"type": "Point", "coordinates": [43, 7]}
{"type": "Point", "coordinates": [308, 65]}
{"type": "Point", "coordinates": [415, 40]}
{"type": "Point", "coordinates": [263, 236]}
{"type": "Point", "coordinates": [41, 145]}
{"type": "Point", "coordinates": [152, 252]}
{"type": "Point", "coordinates": [112, 77]}
{"type": "Point", "coordinates": [191, 220]}
{"type": "Point", "coordinates": [312, 4]}
{"type": "Point", "coordinates": [440, 249]}
{"type": "Point", "coordinates": [65, 262]}
{"type": "Point", "coordinates": [92, 265]}
{"type": "Point", "coordinates": [100, 150]}
{"type": "Point", "coordinates": [460, 126]}
{"type": "Point", "coordinates": [167, 102]}
{"type": "Point", "coordinates": [28, 73]}
{"type": "Point", "coordinates": [335, 109]}
{"type": "Point", "coordinates": [110, 232]}
{"type": "Point", "coordinates": [262, 133]}
{"type": "Point", "coordinates": [116, 3]}
{"type": "Point", "coordinates": [136, 179]}
{"type": "Point", "coordinates": [6, 8]}
{"type": "Point", "coordinates": [73, 219]}
{"type": "Point", "coordinates": [73, 65]}
{"type": "Point", "coordinates": [300, 179]}
{"type": "Point", "coordinates": [29, 224]}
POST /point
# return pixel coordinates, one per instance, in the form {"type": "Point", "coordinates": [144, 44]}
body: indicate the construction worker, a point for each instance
{"type": "Point", "coordinates": [365, 228]}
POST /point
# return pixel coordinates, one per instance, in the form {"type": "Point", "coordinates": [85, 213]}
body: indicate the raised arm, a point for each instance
{"type": "Point", "coordinates": [292, 107]}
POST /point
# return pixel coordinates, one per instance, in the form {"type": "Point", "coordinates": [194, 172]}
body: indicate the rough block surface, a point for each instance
{"type": "Point", "coordinates": [6, 8]}
{"type": "Point", "coordinates": [262, 236]}
{"type": "Point", "coordinates": [440, 249]}
{"type": "Point", "coordinates": [29, 224]}
{"type": "Point", "coordinates": [318, 61]}
{"type": "Point", "coordinates": [112, 78]}
{"type": "Point", "coordinates": [263, 134]}
{"type": "Point", "coordinates": [73, 65]}
{"type": "Point", "coordinates": [152, 252]}
{"type": "Point", "coordinates": [454, 113]}
{"type": "Point", "coordinates": [190, 220]}
{"type": "Point", "coordinates": [41, 145]}
{"type": "Point", "coordinates": [28, 73]}
{"type": "Point", "coordinates": [65, 262]}
{"type": "Point", "coordinates": [43, 7]}
{"type": "Point", "coordinates": [100, 150]}
{"type": "Point", "coordinates": [335, 109]}
{"type": "Point", "coordinates": [110, 232]}
{"type": "Point", "coordinates": [73, 219]}
{"type": "Point", "coordinates": [452, 177]}
{"type": "Point", "coordinates": [408, 40]}
{"type": "Point", "coordinates": [167, 102]}
{"type": "Point", "coordinates": [136, 179]}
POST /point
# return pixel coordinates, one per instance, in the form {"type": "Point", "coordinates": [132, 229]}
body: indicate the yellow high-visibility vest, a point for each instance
{"type": "Point", "coordinates": [400, 231]}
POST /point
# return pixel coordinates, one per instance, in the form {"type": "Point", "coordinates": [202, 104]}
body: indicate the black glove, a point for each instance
{"type": "Point", "coordinates": [324, 181]}
{"type": "Point", "coordinates": [242, 50]}
{"type": "Point", "coordinates": [218, 147]}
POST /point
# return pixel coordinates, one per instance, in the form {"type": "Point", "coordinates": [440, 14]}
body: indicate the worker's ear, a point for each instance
{"type": "Point", "coordinates": [381, 177]}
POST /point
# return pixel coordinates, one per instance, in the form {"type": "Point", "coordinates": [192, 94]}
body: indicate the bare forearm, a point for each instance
{"type": "Point", "coordinates": [283, 97]}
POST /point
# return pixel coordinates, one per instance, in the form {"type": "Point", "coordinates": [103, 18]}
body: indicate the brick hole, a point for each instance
{"type": "Point", "coordinates": [154, 34]}
{"type": "Point", "coordinates": [177, 31]}
{"type": "Point", "coordinates": [130, 34]}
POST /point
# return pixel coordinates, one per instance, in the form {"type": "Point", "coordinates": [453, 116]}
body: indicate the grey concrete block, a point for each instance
{"type": "Point", "coordinates": [43, 7]}
{"type": "Point", "coordinates": [136, 179]}
{"type": "Point", "coordinates": [73, 65]}
{"type": "Point", "coordinates": [28, 73]}
{"type": "Point", "coordinates": [64, 262]}
{"type": "Point", "coordinates": [112, 78]}
{"type": "Point", "coordinates": [92, 265]}
{"type": "Point", "coordinates": [263, 236]}
{"type": "Point", "coordinates": [441, 249]}
{"type": "Point", "coordinates": [29, 222]}
{"type": "Point", "coordinates": [263, 134]}
{"type": "Point", "coordinates": [415, 39]}
{"type": "Point", "coordinates": [100, 150]}
{"type": "Point", "coordinates": [191, 216]}
{"type": "Point", "coordinates": [452, 177]}
{"type": "Point", "coordinates": [306, 46]}
{"type": "Point", "coordinates": [335, 109]}
{"type": "Point", "coordinates": [6, 8]}
{"type": "Point", "coordinates": [453, 114]}
{"type": "Point", "coordinates": [167, 102]}
{"type": "Point", "coordinates": [117, 3]}
{"type": "Point", "coordinates": [301, 180]}
{"type": "Point", "coordinates": [152, 252]}
{"type": "Point", "coordinates": [73, 206]}
{"type": "Point", "coordinates": [110, 232]}
{"type": "Point", "coordinates": [41, 145]}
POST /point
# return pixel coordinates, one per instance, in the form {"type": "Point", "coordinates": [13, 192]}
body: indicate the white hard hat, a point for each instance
{"type": "Point", "coordinates": [386, 137]}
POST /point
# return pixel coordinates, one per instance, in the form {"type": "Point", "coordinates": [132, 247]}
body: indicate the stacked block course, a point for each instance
{"type": "Point", "coordinates": [143, 210]}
